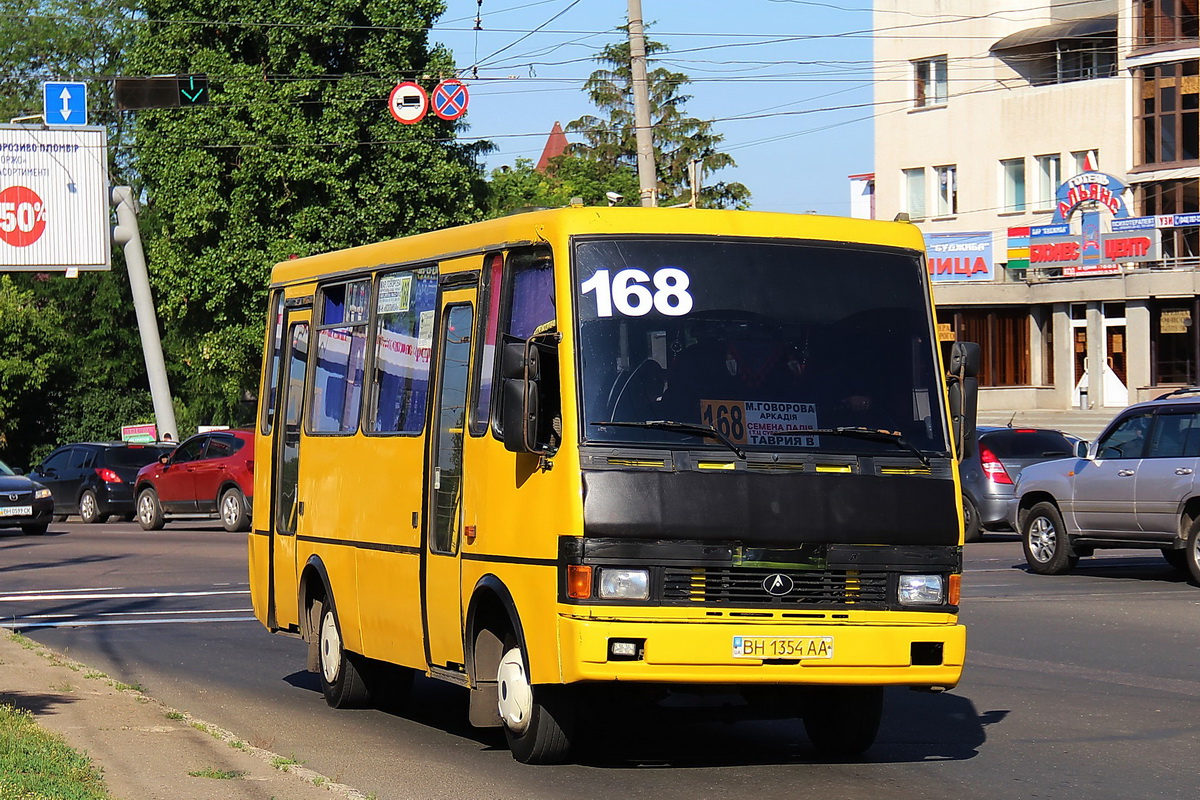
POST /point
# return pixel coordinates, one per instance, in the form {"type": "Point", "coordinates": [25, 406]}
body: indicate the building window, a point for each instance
{"type": "Point", "coordinates": [914, 192]}
{"type": "Point", "coordinates": [947, 190]}
{"type": "Point", "coordinates": [1082, 60]}
{"type": "Point", "coordinates": [1173, 343]}
{"type": "Point", "coordinates": [1180, 246]}
{"type": "Point", "coordinates": [1162, 22]}
{"type": "Point", "coordinates": [929, 86]}
{"type": "Point", "coordinates": [1085, 161]}
{"type": "Point", "coordinates": [1049, 176]}
{"type": "Point", "coordinates": [1014, 184]}
{"type": "Point", "coordinates": [1169, 114]}
{"type": "Point", "coordinates": [1003, 338]}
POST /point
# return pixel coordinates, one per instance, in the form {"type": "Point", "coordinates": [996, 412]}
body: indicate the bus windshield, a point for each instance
{"type": "Point", "coordinates": [758, 339]}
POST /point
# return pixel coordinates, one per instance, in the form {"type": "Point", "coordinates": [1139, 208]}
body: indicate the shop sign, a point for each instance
{"type": "Point", "coordinates": [1175, 321]}
{"type": "Point", "coordinates": [1090, 189]}
{"type": "Point", "coordinates": [945, 332]}
{"type": "Point", "coordinates": [960, 256]}
{"type": "Point", "coordinates": [1054, 251]}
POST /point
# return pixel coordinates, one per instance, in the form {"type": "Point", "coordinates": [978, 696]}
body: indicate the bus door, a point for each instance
{"type": "Point", "coordinates": [441, 574]}
{"type": "Point", "coordinates": [285, 446]}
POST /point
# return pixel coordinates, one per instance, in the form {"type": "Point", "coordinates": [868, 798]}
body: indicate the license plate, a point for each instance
{"type": "Point", "coordinates": [16, 511]}
{"type": "Point", "coordinates": [782, 647]}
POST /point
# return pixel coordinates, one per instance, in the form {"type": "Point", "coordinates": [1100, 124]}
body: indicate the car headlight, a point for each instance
{"type": "Point", "coordinates": [915, 590]}
{"type": "Point", "coordinates": [40, 494]}
{"type": "Point", "coordinates": [624, 584]}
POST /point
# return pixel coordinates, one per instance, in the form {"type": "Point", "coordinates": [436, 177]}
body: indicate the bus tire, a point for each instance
{"type": "Point", "coordinates": [843, 721]}
{"type": "Point", "coordinates": [539, 721]}
{"type": "Point", "coordinates": [149, 511]}
{"type": "Point", "coordinates": [341, 682]}
{"type": "Point", "coordinates": [972, 529]}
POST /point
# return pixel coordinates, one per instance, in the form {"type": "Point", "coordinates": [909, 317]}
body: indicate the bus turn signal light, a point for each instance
{"type": "Point", "coordinates": [955, 589]}
{"type": "Point", "coordinates": [579, 582]}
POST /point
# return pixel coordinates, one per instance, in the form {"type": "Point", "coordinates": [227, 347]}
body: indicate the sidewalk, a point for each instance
{"type": "Point", "coordinates": [145, 749]}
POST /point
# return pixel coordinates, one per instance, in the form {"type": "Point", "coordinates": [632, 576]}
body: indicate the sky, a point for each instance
{"type": "Point", "coordinates": [786, 82]}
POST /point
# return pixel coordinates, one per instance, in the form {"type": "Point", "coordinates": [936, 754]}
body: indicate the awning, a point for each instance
{"type": "Point", "coordinates": [1091, 28]}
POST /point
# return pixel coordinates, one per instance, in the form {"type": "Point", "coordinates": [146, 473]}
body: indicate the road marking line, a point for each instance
{"type": "Point", "coordinates": [139, 613]}
{"type": "Point", "coordinates": [97, 623]}
{"type": "Point", "coordinates": [95, 589]}
{"type": "Point", "coordinates": [88, 595]}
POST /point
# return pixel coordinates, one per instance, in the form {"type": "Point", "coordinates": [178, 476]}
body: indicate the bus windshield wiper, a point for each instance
{"type": "Point", "coordinates": [682, 427]}
{"type": "Point", "coordinates": [862, 433]}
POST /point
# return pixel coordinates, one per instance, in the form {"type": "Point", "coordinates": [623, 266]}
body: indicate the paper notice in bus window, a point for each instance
{"type": "Point", "coordinates": [425, 330]}
{"type": "Point", "coordinates": [760, 422]}
{"type": "Point", "coordinates": [395, 293]}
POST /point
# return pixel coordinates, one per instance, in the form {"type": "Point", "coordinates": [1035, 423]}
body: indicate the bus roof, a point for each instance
{"type": "Point", "coordinates": [552, 224]}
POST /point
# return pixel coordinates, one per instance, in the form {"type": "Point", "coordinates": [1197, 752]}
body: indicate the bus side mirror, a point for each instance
{"type": "Point", "coordinates": [519, 415]}
{"type": "Point", "coordinates": [520, 370]}
{"type": "Point", "coordinates": [963, 386]}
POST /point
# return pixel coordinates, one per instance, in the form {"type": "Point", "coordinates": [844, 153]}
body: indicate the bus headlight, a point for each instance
{"type": "Point", "coordinates": [624, 584]}
{"type": "Point", "coordinates": [915, 590]}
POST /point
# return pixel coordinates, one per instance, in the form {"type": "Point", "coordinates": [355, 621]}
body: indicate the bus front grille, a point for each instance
{"type": "Point", "coordinates": [775, 588]}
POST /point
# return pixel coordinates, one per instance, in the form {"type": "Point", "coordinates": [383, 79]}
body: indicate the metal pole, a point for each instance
{"type": "Point", "coordinates": [126, 233]}
{"type": "Point", "coordinates": [642, 126]}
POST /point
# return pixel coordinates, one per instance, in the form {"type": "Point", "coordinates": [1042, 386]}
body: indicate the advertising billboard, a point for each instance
{"type": "Point", "coordinates": [54, 203]}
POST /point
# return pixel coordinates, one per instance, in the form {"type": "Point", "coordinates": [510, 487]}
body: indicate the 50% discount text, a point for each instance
{"type": "Point", "coordinates": [22, 216]}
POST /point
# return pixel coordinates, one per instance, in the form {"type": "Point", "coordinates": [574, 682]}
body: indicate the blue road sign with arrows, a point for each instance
{"type": "Point", "coordinates": [64, 103]}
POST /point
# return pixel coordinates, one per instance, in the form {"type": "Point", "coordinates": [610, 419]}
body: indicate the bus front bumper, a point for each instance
{"type": "Point", "coordinates": [678, 651]}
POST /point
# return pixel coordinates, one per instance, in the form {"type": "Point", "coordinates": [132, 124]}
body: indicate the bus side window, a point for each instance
{"type": "Point", "coordinates": [488, 330]}
{"type": "Point", "coordinates": [275, 321]}
{"type": "Point", "coordinates": [525, 306]}
{"type": "Point", "coordinates": [341, 353]}
{"type": "Point", "coordinates": [404, 312]}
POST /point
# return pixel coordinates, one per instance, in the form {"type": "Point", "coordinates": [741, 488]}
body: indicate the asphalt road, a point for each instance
{"type": "Point", "coordinates": [1078, 686]}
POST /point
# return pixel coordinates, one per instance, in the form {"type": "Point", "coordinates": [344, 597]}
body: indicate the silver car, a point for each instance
{"type": "Point", "coordinates": [1134, 487]}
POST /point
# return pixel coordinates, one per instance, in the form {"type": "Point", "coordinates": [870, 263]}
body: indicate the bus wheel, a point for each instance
{"type": "Point", "coordinates": [538, 720]}
{"type": "Point", "coordinates": [341, 682]}
{"type": "Point", "coordinates": [843, 721]}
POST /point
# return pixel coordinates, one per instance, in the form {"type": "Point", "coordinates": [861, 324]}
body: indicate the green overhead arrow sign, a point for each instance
{"type": "Point", "coordinates": [193, 90]}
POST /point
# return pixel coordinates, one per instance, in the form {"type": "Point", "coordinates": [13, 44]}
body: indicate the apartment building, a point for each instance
{"type": "Point", "coordinates": [1050, 152]}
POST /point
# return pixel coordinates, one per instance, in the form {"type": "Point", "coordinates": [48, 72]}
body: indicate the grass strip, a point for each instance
{"type": "Point", "coordinates": [38, 765]}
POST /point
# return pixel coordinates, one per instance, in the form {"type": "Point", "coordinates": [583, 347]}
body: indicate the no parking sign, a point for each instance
{"type": "Point", "coordinates": [450, 99]}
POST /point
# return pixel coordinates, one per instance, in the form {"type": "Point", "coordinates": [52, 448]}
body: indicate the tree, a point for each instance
{"type": "Point", "coordinates": [566, 177]}
{"type": "Point", "coordinates": [85, 375]}
{"type": "Point", "coordinates": [295, 154]}
{"type": "Point", "coordinates": [678, 138]}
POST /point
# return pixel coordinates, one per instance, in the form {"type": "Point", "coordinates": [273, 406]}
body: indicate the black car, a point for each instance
{"type": "Point", "coordinates": [95, 479]}
{"type": "Point", "coordinates": [23, 503]}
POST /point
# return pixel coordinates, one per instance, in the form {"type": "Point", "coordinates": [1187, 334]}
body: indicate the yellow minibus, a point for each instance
{"type": "Point", "coordinates": [558, 454]}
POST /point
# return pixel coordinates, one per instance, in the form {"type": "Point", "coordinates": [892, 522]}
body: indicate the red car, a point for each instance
{"type": "Point", "coordinates": [210, 475]}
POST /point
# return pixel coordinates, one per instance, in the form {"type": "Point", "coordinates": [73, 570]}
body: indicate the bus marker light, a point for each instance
{"type": "Point", "coordinates": [579, 582]}
{"type": "Point", "coordinates": [955, 589]}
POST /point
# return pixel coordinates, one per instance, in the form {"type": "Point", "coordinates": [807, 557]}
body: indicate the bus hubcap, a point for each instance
{"type": "Point", "coordinates": [331, 649]}
{"type": "Point", "coordinates": [516, 695]}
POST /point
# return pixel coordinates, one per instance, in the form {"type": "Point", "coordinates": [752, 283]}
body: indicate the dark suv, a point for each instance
{"type": "Point", "coordinates": [1135, 486]}
{"type": "Point", "coordinates": [209, 475]}
{"type": "Point", "coordinates": [95, 479]}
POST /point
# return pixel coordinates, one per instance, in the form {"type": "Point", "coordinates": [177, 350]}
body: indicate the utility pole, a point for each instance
{"type": "Point", "coordinates": [647, 179]}
{"type": "Point", "coordinates": [126, 233]}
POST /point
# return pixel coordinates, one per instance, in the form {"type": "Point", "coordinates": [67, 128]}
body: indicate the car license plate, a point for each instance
{"type": "Point", "coordinates": [783, 647]}
{"type": "Point", "coordinates": [16, 511]}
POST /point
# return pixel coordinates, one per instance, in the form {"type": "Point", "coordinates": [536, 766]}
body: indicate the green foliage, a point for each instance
{"type": "Point", "coordinates": [31, 345]}
{"type": "Point", "coordinates": [678, 138]}
{"type": "Point", "coordinates": [36, 764]}
{"type": "Point", "coordinates": [566, 177]}
{"type": "Point", "coordinates": [295, 154]}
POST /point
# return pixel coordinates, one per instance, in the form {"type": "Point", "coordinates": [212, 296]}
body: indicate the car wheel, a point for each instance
{"type": "Point", "coordinates": [149, 511]}
{"type": "Point", "coordinates": [35, 530]}
{"type": "Point", "coordinates": [972, 531]}
{"type": "Point", "coordinates": [539, 721]}
{"type": "Point", "coordinates": [233, 511]}
{"type": "Point", "coordinates": [341, 682]}
{"type": "Point", "coordinates": [89, 509]}
{"type": "Point", "coordinates": [843, 721]}
{"type": "Point", "coordinates": [1044, 539]}
{"type": "Point", "coordinates": [1191, 553]}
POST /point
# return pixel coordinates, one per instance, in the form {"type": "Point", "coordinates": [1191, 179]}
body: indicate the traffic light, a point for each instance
{"type": "Point", "coordinates": [165, 91]}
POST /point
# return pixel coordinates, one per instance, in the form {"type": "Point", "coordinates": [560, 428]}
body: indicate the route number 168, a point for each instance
{"type": "Point", "coordinates": [627, 293]}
